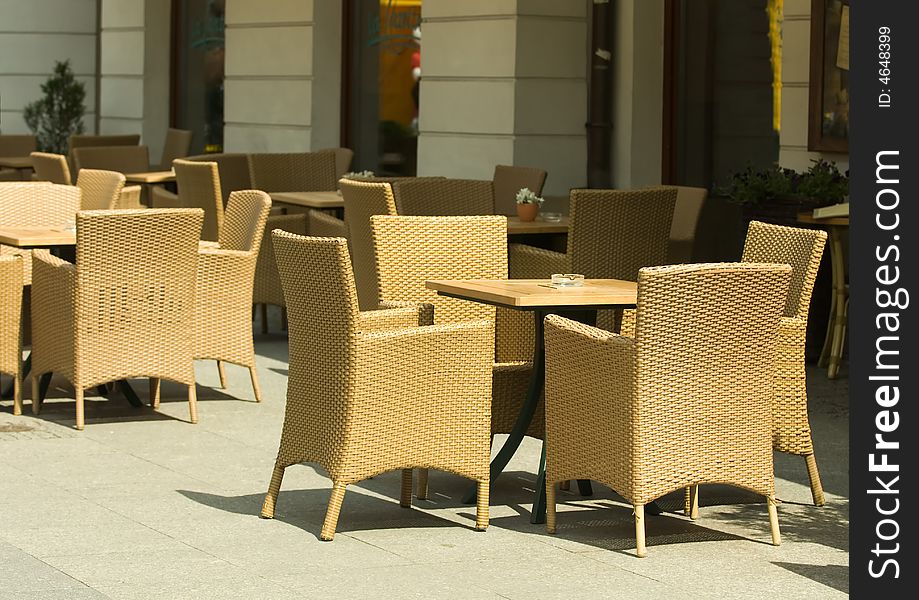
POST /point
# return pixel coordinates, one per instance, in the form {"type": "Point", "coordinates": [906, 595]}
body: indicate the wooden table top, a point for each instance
{"type": "Point", "coordinates": [517, 227]}
{"type": "Point", "coordinates": [150, 177]}
{"type": "Point", "coordinates": [37, 237]}
{"type": "Point", "coordinates": [539, 293]}
{"type": "Point", "coordinates": [309, 199]}
{"type": "Point", "coordinates": [808, 217]}
{"type": "Point", "coordinates": [16, 162]}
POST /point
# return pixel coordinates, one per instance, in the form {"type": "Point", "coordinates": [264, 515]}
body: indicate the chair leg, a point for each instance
{"type": "Point", "coordinates": [640, 550]}
{"type": "Point", "coordinates": [694, 503]}
{"type": "Point", "coordinates": [264, 310]}
{"type": "Point", "coordinates": [192, 403]}
{"type": "Point", "coordinates": [816, 486]}
{"type": "Point", "coordinates": [422, 492]}
{"type": "Point", "coordinates": [36, 395]}
{"type": "Point", "coordinates": [223, 375]}
{"type": "Point", "coordinates": [550, 505]}
{"type": "Point", "coordinates": [255, 387]}
{"type": "Point", "coordinates": [154, 392]}
{"type": "Point", "coordinates": [481, 506]}
{"type": "Point", "coordinates": [17, 395]}
{"type": "Point", "coordinates": [774, 521]}
{"type": "Point", "coordinates": [687, 500]}
{"type": "Point", "coordinates": [271, 498]}
{"type": "Point", "coordinates": [331, 515]}
{"type": "Point", "coordinates": [78, 393]}
{"type": "Point", "coordinates": [405, 500]}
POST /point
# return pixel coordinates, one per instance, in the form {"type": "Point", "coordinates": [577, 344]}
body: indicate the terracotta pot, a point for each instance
{"type": "Point", "coordinates": [527, 212]}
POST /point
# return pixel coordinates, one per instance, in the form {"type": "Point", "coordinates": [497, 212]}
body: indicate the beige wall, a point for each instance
{"type": "Point", "coordinates": [795, 77]}
{"type": "Point", "coordinates": [282, 68]}
{"type": "Point", "coordinates": [33, 35]}
{"type": "Point", "coordinates": [504, 82]}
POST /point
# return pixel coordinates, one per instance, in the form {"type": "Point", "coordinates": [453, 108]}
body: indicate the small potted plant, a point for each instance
{"type": "Point", "coordinates": [528, 204]}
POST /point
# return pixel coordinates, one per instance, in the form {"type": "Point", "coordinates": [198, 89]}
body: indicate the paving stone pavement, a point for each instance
{"type": "Point", "coordinates": [141, 504]}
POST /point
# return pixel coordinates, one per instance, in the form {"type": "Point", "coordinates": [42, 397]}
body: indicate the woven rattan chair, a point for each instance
{"type": "Point", "coordinates": [802, 249]}
{"type": "Point", "coordinates": [411, 250]}
{"type": "Point", "coordinates": [371, 392]}
{"type": "Point", "coordinates": [176, 145]}
{"type": "Point", "coordinates": [362, 200]}
{"type": "Point", "coordinates": [36, 204]}
{"type": "Point", "coordinates": [509, 180]}
{"type": "Point", "coordinates": [233, 170]}
{"type": "Point", "coordinates": [439, 196]}
{"type": "Point", "coordinates": [303, 171]}
{"type": "Point", "coordinates": [101, 190]}
{"type": "Point", "coordinates": [11, 284]}
{"type": "Point", "coordinates": [684, 402]}
{"type": "Point", "coordinates": [267, 287]}
{"type": "Point", "coordinates": [223, 317]}
{"type": "Point", "coordinates": [51, 167]}
{"type": "Point", "coordinates": [125, 309]}
{"type": "Point", "coordinates": [689, 201]}
{"type": "Point", "coordinates": [124, 159]}
{"type": "Point", "coordinates": [15, 145]}
{"type": "Point", "coordinates": [199, 187]}
{"type": "Point", "coordinates": [93, 141]}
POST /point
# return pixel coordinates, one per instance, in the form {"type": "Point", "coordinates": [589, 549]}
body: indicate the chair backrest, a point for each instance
{"type": "Point", "coordinates": [233, 169]}
{"type": "Point", "coordinates": [176, 145]}
{"type": "Point", "coordinates": [343, 158]}
{"type": "Point", "coordinates": [135, 288]}
{"type": "Point", "coordinates": [689, 201]}
{"type": "Point", "coordinates": [706, 338]}
{"type": "Point", "coordinates": [509, 180]}
{"type": "Point", "coordinates": [51, 167]}
{"type": "Point", "coordinates": [124, 159]}
{"type": "Point", "coordinates": [199, 187]}
{"type": "Point", "coordinates": [101, 190]}
{"type": "Point", "coordinates": [614, 233]}
{"type": "Point", "coordinates": [38, 204]}
{"type": "Point", "coordinates": [362, 201]}
{"type": "Point", "coordinates": [411, 250]}
{"type": "Point", "coordinates": [83, 141]}
{"type": "Point", "coordinates": [293, 172]}
{"type": "Point", "coordinates": [800, 248]}
{"type": "Point", "coordinates": [436, 196]}
{"type": "Point", "coordinates": [17, 145]}
{"type": "Point", "coordinates": [244, 221]}
{"type": "Point", "coordinates": [267, 287]}
{"type": "Point", "coordinates": [11, 282]}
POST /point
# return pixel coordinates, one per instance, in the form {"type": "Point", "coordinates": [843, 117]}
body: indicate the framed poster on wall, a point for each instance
{"type": "Point", "coordinates": [828, 116]}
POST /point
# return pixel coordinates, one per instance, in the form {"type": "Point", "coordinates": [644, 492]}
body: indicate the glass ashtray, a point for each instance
{"type": "Point", "coordinates": [552, 217]}
{"type": "Point", "coordinates": [568, 279]}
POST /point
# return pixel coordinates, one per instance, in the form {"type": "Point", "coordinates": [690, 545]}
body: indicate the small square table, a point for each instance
{"type": "Point", "coordinates": [328, 200]}
{"type": "Point", "coordinates": [37, 237]}
{"type": "Point", "coordinates": [150, 177]}
{"type": "Point", "coordinates": [541, 298]}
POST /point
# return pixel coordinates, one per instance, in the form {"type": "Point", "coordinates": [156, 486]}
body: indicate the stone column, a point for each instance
{"type": "Point", "coordinates": [504, 82]}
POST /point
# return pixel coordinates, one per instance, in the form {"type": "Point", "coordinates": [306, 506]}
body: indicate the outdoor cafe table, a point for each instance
{"type": "Point", "coordinates": [541, 298]}
{"type": "Point", "coordinates": [318, 200]}
{"type": "Point", "coordinates": [150, 177]}
{"type": "Point", "coordinates": [16, 162]}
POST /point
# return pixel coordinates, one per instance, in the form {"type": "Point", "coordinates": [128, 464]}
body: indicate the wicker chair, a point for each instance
{"type": "Point", "coordinates": [304, 171]}
{"type": "Point", "coordinates": [509, 180]}
{"type": "Point", "coordinates": [125, 309]}
{"type": "Point", "coordinates": [223, 317]}
{"type": "Point", "coordinates": [11, 284]}
{"type": "Point", "coordinates": [199, 187]}
{"type": "Point", "coordinates": [51, 167]}
{"type": "Point", "coordinates": [689, 201]}
{"type": "Point", "coordinates": [684, 402]}
{"type": "Point", "coordinates": [802, 249]}
{"type": "Point", "coordinates": [176, 145]}
{"type": "Point", "coordinates": [411, 250]}
{"type": "Point", "coordinates": [613, 234]}
{"type": "Point", "coordinates": [233, 170]}
{"type": "Point", "coordinates": [267, 286]}
{"type": "Point", "coordinates": [35, 204]}
{"type": "Point", "coordinates": [101, 190]}
{"type": "Point", "coordinates": [124, 159]}
{"type": "Point", "coordinates": [93, 141]}
{"type": "Point", "coordinates": [363, 200]}
{"type": "Point", "coordinates": [371, 392]}
{"type": "Point", "coordinates": [438, 196]}
{"type": "Point", "coordinates": [15, 145]}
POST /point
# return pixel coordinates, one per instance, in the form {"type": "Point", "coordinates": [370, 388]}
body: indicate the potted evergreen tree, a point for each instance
{"type": "Point", "coordinates": [54, 118]}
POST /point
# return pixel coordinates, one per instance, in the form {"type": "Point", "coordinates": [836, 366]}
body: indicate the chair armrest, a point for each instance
{"type": "Point", "coordinates": [230, 270]}
{"type": "Point", "coordinates": [162, 198]}
{"type": "Point", "coordinates": [205, 244]}
{"type": "Point", "coordinates": [528, 262]}
{"type": "Point", "coordinates": [53, 287]}
{"type": "Point", "coordinates": [129, 197]}
{"type": "Point", "coordinates": [321, 224]}
{"type": "Point", "coordinates": [408, 314]}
